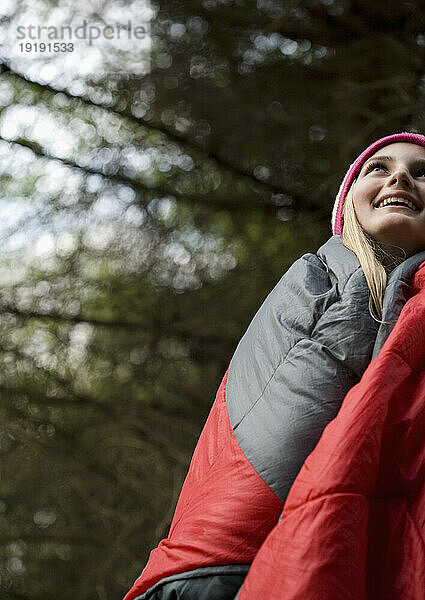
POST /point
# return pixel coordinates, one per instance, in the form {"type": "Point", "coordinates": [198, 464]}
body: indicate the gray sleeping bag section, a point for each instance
{"type": "Point", "coordinates": [308, 344]}
{"type": "Point", "coordinates": [191, 586]}
{"type": "Point", "coordinates": [397, 292]}
{"type": "Point", "coordinates": [215, 587]}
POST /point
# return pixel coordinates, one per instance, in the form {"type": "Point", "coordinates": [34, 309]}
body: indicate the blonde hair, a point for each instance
{"type": "Point", "coordinates": [356, 239]}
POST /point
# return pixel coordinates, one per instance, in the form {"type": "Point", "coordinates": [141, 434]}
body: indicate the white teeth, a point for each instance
{"type": "Point", "coordinates": [393, 200]}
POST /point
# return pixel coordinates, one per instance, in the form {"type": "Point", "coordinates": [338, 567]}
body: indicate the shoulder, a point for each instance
{"type": "Point", "coordinates": [332, 258]}
{"type": "Point", "coordinates": [307, 278]}
{"type": "Point", "coordinates": [291, 309]}
{"type": "Point", "coordinates": [342, 264]}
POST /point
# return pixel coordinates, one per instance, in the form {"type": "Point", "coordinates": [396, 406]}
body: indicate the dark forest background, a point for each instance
{"type": "Point", "coordinates": [144, 217]}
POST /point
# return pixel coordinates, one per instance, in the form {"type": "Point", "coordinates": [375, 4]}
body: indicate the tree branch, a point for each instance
{"type": "Point", "coordinates": [221, 161]}
{"type": "Point", "coordinates": [141, 188]}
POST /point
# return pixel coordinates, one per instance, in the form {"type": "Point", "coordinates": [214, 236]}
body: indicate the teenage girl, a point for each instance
{"type": "Point", "coordinates": [353, 525]}
{"type": "Point", "coordinates": [307, 346]}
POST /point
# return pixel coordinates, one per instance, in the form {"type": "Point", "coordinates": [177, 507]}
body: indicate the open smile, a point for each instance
{"type": "Point", "coordinates": [398, 207]}
{"type": "Point", "coordinates": [397, 202]}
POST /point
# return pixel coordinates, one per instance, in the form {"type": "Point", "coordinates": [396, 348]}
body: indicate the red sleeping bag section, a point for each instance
{"type": "Point", "coordinates": [353, 525]}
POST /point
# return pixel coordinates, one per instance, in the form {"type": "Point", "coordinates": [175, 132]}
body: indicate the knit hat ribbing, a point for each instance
{"type": "Point", "coordinates": [355, 168]}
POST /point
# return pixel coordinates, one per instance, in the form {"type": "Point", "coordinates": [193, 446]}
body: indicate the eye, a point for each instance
{"type": "Point", "coordinates": [374, 165]}
{"type": "Point", "coordinates": [380, 165]}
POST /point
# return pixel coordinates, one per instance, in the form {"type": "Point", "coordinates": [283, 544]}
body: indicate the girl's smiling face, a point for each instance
{"type": "Point", "coordinates": [396, 170]}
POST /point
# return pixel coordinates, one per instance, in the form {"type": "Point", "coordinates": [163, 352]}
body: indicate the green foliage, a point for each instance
{"type": "Point", "coordinates": [144, 218]}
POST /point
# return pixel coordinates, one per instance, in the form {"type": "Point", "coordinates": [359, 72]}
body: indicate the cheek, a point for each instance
{"type": "Point", "coordinates": [363, 195]}
{"type": "Point", "coordinates": [363, 215]}
{"type": "Point", "coordinates": [365, 190]}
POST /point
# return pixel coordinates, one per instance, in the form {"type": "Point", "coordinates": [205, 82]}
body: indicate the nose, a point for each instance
{"type": "Point", "coordinates": [401, 176]}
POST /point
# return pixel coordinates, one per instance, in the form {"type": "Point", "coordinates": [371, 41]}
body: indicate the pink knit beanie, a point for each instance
{"type": "Point", "coordinates": [355, 168]}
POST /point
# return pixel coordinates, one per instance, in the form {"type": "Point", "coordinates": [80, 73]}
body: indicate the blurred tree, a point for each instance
{"type": "Point", "coordinates": [150, 199]}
